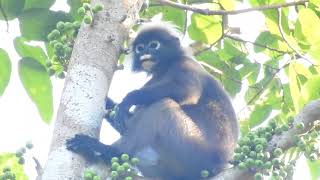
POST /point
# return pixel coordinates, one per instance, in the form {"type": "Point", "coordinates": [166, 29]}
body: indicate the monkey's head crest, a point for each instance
{"type": "Point", "coordinates": [156, 47]}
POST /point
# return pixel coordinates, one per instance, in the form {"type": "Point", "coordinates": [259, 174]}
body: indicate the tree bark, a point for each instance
{"type": "Point", "coordinates": [93, 62]}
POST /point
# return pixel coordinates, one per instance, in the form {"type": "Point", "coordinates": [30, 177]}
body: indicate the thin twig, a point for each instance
{"type": "Point", "coordinates": [224, 12]}
{"type": "Point", "coordinates": [185, 23]}
{"type": "Point", "coordinates": [266, 84]}
{"type": "Point", "coordinates": [39, 168]}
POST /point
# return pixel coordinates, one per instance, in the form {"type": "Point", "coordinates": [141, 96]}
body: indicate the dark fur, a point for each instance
{"type": "Point", "coordinates": [201, 135]}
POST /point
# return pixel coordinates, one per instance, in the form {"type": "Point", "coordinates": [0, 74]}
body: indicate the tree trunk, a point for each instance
{"type": "Point", "coordinates": [91, 68]}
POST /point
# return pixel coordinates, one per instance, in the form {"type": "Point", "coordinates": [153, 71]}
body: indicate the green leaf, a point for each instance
{"type": "Point", "coordinates": [25, 50]}
{"type": "Point", "coordinates": [207, 29]}
{"type": "Point", "coordinates": [310, 25]}
{"type": "Point", "coordinates": [244, 127]}
{"type": "Point", "coordinates": [311, 89]}
{"type": "Point", "coordinates": [5, 70]}
{"type": "Point", "coordinates": [231, 79]}
{"type": "Point", "coordinates": [295, 87]}
{"type": "Point", "coordinates": [232, 84]}
{"type": "Point", "coordinates": [10, 160]}
{"type": "Point", "coordinates": [231, 50]}
{"type": "Point", "coordinates": [176, 16]}
{"type": "Point", "coordinates": [301, 39]}
{"type": "Point", "coordinates": [251, 93]}
{"type": "Point", "coordinates": [228, 4]}
{"type": "Point", "coordinates": [272, 21]}
{"type": "Point", "coordinates": [264, 2]}
{"type": "Point", "coordinates": [11, 8]}
{"type": "Point", "coordinates": [270, 40]}
{"type": "Point", "coordinates": [250, 70]}
{"type": "Point", "coordinates": [36, 24]}
{"type": "Point", "coordinates": [288, 102]}
{"type": "Point", "coordinates": [30, 4]}
{"type": "Point", "coordinates": [314, 52]}
{"type": "Point", "coordinates": [259, 114]}
{"type": "Point", "coordinates": [49, 50]}
{"type": "Point", "coordinates": [315, 2]}
{"type": "Point", "coordinates": [74, 6]}
{"type": "Point", "coordinates": [37, 83]}
{"type": "Point", "coordinates": [314, 169]}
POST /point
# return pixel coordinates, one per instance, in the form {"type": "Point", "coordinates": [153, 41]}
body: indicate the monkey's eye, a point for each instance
{"type": "Point", "coordinates": [154, 45]}
{"type": "Point", "coordinates": [139, 48]}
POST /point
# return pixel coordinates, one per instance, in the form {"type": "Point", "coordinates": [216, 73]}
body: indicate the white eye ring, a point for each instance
{"type": "Point", "coordinates": [154, 45]}
{"type": "Point", "coordinates": [139, 48]}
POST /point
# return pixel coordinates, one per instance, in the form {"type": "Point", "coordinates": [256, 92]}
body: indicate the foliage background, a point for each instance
{"type": "Point", "coordinates": [275, 69]}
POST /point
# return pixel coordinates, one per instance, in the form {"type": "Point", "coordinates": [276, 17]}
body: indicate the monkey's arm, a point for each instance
{"type": "Point", "coordinates": [183, 87]}
{"type": "Point", "coordinates": [110, 104]}
{"type": "Point", "coordinates": [117, 121]}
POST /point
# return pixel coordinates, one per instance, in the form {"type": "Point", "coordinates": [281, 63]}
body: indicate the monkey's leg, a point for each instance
{"type": "Point", "coordinates": [164, 127]}
{"type": "Point", "coordinates": [91, 149]}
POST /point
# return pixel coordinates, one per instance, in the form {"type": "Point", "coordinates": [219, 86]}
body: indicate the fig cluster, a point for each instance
{"type": "Point", "coordinates": [21, 152]}
{"type": "Point", "coordinates": [251, 153]}
{"type": "Point", "coordinates": [7, 174]}
{"type": "Point", "coordinates": [62, 38]}
{"type": "Point", "coordinates": [123, 167]}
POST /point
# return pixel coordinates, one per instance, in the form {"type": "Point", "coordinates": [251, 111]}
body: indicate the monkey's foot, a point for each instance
{"type": "Point", "coordinates": [90, 148]}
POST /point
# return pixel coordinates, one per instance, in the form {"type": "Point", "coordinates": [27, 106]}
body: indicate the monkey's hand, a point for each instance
{"type": "Point", "coordinates": [117, 118]}
{"type": "Point", "coordinates": [109, 103]}
{"type": "Point", "coordinates": [90, 148]}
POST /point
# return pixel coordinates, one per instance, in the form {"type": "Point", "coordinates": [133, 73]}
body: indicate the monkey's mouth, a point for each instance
{"type": "Point", "coordinates": [145, 57]}
{"type": "Point", "coordinates": [147, 62]}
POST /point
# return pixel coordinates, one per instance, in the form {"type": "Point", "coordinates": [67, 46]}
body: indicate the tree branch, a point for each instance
{"type": "Point", "coordinates": [224, 12]}
{"type": "Point", "coordinates": [308, 115]}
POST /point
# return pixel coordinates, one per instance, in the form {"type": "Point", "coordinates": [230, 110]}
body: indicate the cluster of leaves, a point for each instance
{"type": "Point", "coordinates": [123, 167]}
{"type": "Point", "coordinates": [36, 20]}
{"type": "Point", "coordinates": [90, 175]}
{"type": "Point", "coordinates": [22, 151]}
{"type": "Point", "coordinates": [62, 39]}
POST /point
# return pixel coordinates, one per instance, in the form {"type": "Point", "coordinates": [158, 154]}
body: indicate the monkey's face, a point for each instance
{"type": "Point", "coordinates": [154, 50]}
{"type": "Point", "coordinates": [146, 54]}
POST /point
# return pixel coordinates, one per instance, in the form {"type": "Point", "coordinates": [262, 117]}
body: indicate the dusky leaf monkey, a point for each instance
{"type": "Point", "coordinates": [184, 121]}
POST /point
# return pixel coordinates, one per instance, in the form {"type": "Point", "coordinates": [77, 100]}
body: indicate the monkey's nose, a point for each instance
{"type": "Point", "coordinates": [145, 57]}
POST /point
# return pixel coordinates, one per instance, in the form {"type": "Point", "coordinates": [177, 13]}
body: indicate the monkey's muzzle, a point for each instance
{"type": "Point", "coordinates": [145, 57]}
{"type": "Point", "coordinates": [146, 62]}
